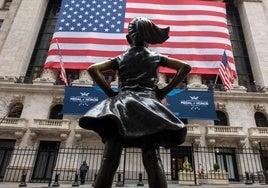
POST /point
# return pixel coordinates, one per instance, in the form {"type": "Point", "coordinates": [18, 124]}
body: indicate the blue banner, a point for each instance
{"type": "Point", "coordinates": [192, 104]}
{"type": "Point", "coordinates": [183, 103]}
{"type": "Point", "coordinates": [78, 99]}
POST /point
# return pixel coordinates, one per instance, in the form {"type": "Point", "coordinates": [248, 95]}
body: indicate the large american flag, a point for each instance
{"type": "Point", "coordinates": [92, 31]}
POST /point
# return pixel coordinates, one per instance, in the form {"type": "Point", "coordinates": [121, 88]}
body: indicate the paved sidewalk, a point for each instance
{"type": "Point", "coordinates": [42, 185]}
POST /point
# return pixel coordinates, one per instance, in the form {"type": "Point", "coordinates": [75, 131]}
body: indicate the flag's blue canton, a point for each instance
{"type": "Point", "coordinates": [92, 16]}
{"type": "Point", "coordinates": [224, 59]}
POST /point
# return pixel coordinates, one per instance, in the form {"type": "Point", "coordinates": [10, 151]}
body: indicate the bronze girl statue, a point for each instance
{"type": "Point", "coordinates": [134, 116]}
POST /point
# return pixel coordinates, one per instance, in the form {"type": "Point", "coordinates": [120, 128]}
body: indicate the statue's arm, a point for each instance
{"type": "Point", "coordinates": [182, 69]}
{"type": "Point", "coordinates": [95, 72]}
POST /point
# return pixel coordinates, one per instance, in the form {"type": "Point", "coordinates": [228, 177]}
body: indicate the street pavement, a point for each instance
{"type": "Point", "coordinates": [65, 185]}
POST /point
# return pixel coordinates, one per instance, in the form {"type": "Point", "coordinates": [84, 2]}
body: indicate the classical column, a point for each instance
{"type": "Point", "coordinates": [84, 78]}
{"type": "Point", "coordinates": [266, 8]}
{"type": "Point", "coordinates": [195, 82]}
{"type": "Point", "coordinates": [20, 35]}
{"type": "Point", "coordinates": [49, 76]}
{"type": "Point", "coordinates": [255, 26]}
{"type": "Point", "coordinates": [2, 2]}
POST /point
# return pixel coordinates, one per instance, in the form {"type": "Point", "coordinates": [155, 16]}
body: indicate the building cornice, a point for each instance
{"type": "Point", "coordinates": [240, 1]}
{"type": "Point", "coordinates": [60, 89]}
{"type": "Point", "coordinates": [31, 88]}
{"type": "Point", "coordinates": [248, 96]}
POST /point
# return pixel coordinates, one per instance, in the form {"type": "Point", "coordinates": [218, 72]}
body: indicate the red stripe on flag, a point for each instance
{"type": "Point", "coordinates": [70, 65]}
{"type": "Point", "coordinates": [181, 2]}
{"type": "Point", "coordinates": [186, 23]}
{"type": "Point", "coordinates": [178, 12]}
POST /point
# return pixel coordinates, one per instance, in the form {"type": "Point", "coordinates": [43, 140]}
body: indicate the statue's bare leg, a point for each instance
{"type": "Point", "coordinates": [109, 164]}
{"type": "Point", "coordinates": [153, 165]}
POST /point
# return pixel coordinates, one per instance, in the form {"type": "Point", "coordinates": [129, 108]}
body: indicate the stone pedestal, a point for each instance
{"type": "Point", "coordinates": [218, 178]}
{"type": "Point", "coordinates": [186, 178]}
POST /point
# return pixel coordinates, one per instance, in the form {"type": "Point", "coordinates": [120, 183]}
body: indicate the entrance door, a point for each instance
{"type": "Point", "coordinates": [45, 160]}
{"type": "Point", "coordinates": [178, 157]}
{"type": "Point", "coordinates": [264, 157]}
{"type": "Point", "coordinates": [226, 159]}
{"type": "Point", "coordinates": [6, 149]}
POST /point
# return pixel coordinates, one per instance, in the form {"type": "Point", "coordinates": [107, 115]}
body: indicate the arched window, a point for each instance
{"type": "Point", "coordinates": [55, 112]}
{"type": "Point", "coordinates": [15, 110]}
{"type": "Point", "coordinates": [222, 119]}
{"type": "Point", "coordinates": [260, 119]}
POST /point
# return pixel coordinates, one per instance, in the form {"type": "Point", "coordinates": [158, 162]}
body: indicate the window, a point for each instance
{"type": "Point", "coordinates": [179, 156]}
{"type": "Point", "coordinates": [72, 74]}
{"type": "Point", "coordinates": [6, 150]}
{"type": "Point", "coordinates": [222, 119]}
{"type": "Point", "coordinates": [55, 112]}
{"type": "Point", "coordinates": [1, 22]}
{"type": "Point", "coordinates": [242, 63]}
{"type": "Point", "coordinates": [182, 85]}
{"type": "Point", "coordinates": [39, 56]}
{"type": "Point", "coordinates": [109, 76]}
{"type": "Point", "coordinates": [43, 41]}
{"type": "Point", "coordinates": [15, 110]}
{"type": "Point", "coordinates": [213, 82]}
{"type": "Point", "coordinates": [260, 119]}
{"type": "Point", "coordinates": [45, 162]}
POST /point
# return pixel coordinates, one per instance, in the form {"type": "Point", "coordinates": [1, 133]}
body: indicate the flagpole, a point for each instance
{"type": "Point", "coordinates": [216, 79]}
{"type": "Point", "coordinates": [58, 46]}
{"type": "Point", "coordinates": [62, 69]}
{"type": "Point", "coordinates": [225, 47]}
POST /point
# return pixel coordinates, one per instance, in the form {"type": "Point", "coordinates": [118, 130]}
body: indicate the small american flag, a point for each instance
{"type": "Point", "coordinates": [225, 73]}
{"type": "Point", "coordinates": [93, 31]}
{"type": "Point", "coordinates": [63, 76]}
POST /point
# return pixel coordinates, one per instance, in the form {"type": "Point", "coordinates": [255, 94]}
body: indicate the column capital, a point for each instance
{"type": "Point", "coordinates": [48, 77]}
{"type": "Point", "coordinates": [195, 82]}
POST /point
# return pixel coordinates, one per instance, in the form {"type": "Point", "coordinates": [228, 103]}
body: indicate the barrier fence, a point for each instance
{"type": "Point", "coordinates": [185, 165]}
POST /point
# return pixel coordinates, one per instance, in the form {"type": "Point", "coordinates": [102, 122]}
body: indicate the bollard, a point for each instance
{"type": "Point", "coordinates": [75, 183]}
{"type": "Point", "coordinates": [140, 183]}
{"type": "Point", "coordinates": [119, 182]}
{"type": "Point", "coordinates": [95, 177]}
{"type": "Point", "coordinates": [248, 180]}
{"type": "Point", "coordinates": [23, 180]}
{"type": "Point", "coordinates": [265, 173]}
{"type": "Point", "coordinates": [56, 183]}
{"type": "Point", "coordinates": [252, 177]}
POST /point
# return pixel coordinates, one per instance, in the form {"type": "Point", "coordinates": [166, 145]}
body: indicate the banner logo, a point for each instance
{"type": "Point", "coordinates": [195, 103]}
{"type": "Point", "coordinates": [84, 99]}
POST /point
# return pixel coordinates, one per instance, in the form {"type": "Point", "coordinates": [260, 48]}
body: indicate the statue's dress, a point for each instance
{"type": "Point", "coordinates": [136, 113]}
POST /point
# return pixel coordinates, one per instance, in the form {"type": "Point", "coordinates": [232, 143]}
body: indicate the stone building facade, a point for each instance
{"type": "Point", "coordinates": [244, 110]}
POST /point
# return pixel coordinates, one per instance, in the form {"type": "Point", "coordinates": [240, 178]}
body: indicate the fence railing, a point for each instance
{"type": "Point", "coordinates": [235, 164]}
